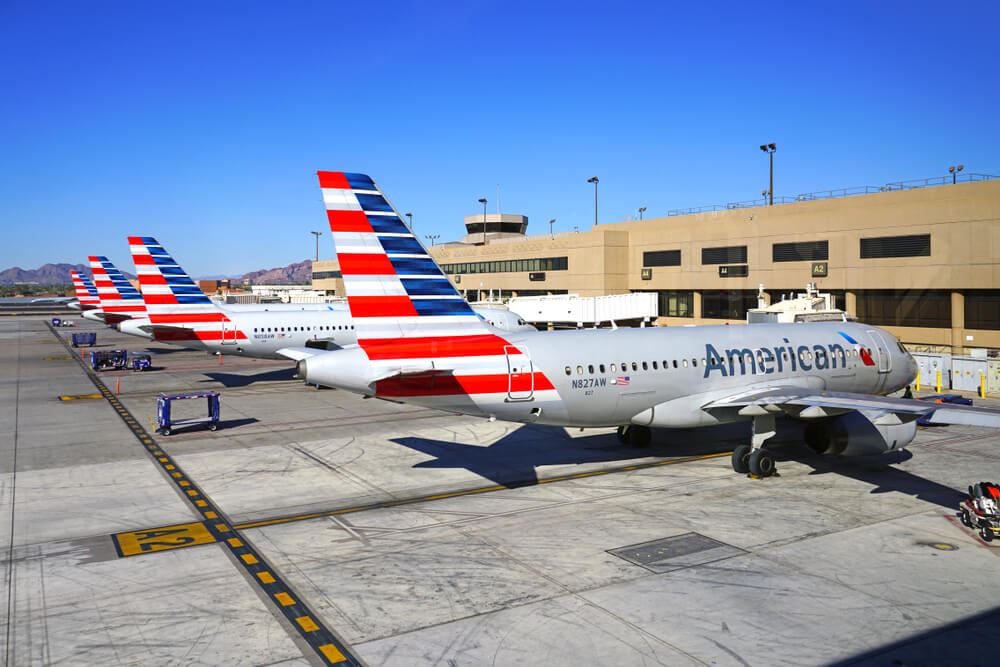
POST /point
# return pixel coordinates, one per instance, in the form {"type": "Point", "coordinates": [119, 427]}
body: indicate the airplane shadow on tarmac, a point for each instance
{"type": "Point", "coordinates": [513, 460]}
{"type": "Point", "coordinates": [239, 380]}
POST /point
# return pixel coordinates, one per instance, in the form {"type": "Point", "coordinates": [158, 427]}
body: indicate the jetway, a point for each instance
{"type": "Point", "coordinates": [583, 311]}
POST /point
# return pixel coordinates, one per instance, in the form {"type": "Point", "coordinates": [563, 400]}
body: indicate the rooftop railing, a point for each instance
{"type": "Point", "coordinates": [839, 192]}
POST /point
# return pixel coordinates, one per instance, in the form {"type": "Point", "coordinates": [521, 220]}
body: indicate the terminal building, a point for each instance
{"type": "Point", "coordinates": [918, 260]}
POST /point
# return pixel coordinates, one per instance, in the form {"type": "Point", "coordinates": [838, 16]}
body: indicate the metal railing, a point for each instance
{"type": "Point", "coordinates": [914, 184]}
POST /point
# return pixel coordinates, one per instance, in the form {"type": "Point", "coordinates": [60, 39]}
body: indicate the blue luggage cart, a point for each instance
{"type": "Point", "coordinates": [165, 425]}
{"type": "Point", "coordinates": [109, 360]}
{"type": "Point", "coordinates": [56, 322]}
{"type": "Point", "coordinates": [85, 338]}
{"type": "Point", "coordinates": [140, 362]}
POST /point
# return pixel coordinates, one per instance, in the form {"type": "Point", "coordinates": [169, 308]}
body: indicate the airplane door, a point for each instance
{"type": "Point", "coordinates": [883, 358]}
{"type": "Point", "coordinates": [520, 375]}
{"type": "Point", "coordinates": [228, 332]}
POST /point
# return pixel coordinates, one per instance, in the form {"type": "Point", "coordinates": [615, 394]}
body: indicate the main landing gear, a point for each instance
{"type": "Point", "coordinates": [755, 458]}
{"type": "Point", "coordinates": [637, 436]}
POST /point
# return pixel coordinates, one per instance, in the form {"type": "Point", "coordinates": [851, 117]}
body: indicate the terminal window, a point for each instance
{"type": "Point", "coordinates": [913, 245]}
{"type": "Point", "coordinates": [509, 266]}
{"type": "Point", "coordinates": [661, 258]}
{"type": "Point", "coordinates": [800, 251]}
{"type": "Point", "coordinates": [734, 254]}
{"type": "Point", "coordinates": [322, 275]}
{"type": "Point", "coordinates": [905, 308]}
{"type": "Point", "coordinates": [982, 309]}
{"type": "Point", "coordinates": [727, 304]}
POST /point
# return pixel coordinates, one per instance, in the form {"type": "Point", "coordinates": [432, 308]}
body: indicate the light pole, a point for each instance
{"type": "Point", "coordinates": [642, 209]}
{"type": "Point", "coordinates": [482, 201]}
{"type": "Point", "coordinates": [432, 238]}
{"type": "Point", "coordinates": [409, 219]}
{"type": "Point", "coordinates": [595, 180]}
{"type": "Point", "coordinates": [551, 223]}
{"type": "Point", "coordinates": [317, 235]}
{"type": "Point", "coordinates": [769, 149]}
{"type": "Point", "coordinates": [953, 170]}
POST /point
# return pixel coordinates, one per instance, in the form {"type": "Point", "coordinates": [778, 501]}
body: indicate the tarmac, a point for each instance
{"type": "Point", "coordinates": [318, 527]}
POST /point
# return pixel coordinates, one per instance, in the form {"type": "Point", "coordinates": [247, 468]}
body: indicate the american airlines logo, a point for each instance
{"type": "Point", "coordinates": [791, 358]}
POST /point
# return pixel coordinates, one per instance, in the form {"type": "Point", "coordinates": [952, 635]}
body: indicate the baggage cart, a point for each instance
{"type": "Point", "coordinates": [108, 360]}
{"type": "Point", "coordinates": [140, 362]}
{"type": "Point", "coordinates": [88, 338]}
{"type": "Point", "coordinates": [165, 424]}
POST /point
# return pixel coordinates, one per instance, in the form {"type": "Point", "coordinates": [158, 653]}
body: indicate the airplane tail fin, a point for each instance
{"type": "Point", "coordinates": [86, 293]}
{"type": "Point", "coordinates": [173, 298]}
{"type": "Point", "coordinates": [402, 304]}
{"type": "Point", "coordinates": [119, 299]}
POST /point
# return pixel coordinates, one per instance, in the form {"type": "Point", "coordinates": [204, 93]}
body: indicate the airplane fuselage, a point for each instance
{"type": "Point", "coordinates": [653, 376]}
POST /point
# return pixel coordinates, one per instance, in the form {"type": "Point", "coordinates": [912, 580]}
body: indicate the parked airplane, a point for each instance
{"type": "Point", "coordinates": [419, 342]}
{"type": "Point", "coordinates": [180, 312]}
{"type": "Point", "coordinates": [86, 294]}
{"type": "Point", "coordinates": [120, 301]}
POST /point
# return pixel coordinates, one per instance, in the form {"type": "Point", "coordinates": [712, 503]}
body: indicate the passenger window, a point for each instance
{"type": "Point", "coordinates": [675, 363]}
{"type": "Point", "coordinates": [579, 370]}
{"type": "Point", "coordinates": [645, 366]}
{"type": "Point", "coordinates": [635, 366]}
{"type": "Point", "coordinates": [665, 365]}
{"type": "Point", "coordinates": [614, 368]}
{"type": "Point", "coordinates": [655, 368]}
{"type": "Point", "coordinates": [694, 362]}
{"type": "Point", "coordinates": [602, 368]}
{"type": "Point", "coordinates": [569, 371]}
{"type": "Point", "coordinates": [590, 369]}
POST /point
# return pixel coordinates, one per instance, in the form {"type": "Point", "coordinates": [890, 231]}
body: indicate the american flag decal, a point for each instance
{"type": "Point", "coordinates": [622, 380]}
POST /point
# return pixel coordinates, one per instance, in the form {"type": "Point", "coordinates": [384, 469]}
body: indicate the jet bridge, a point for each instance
{"type": "Point", "coordinates": [589, 311]}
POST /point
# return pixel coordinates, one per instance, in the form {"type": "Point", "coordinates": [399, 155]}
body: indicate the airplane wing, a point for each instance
{"type": "Point", "coordinates": [299, 353]}
{"type": "Point", "coordinates": [802, 403]}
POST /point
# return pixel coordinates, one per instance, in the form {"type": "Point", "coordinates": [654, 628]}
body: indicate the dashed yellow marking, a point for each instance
{"type": "Point", "coordinates": [211, 515]}
{"type": "Point", "coordinates": [184, 483]}
{"type": "Point", "coordinates": [331, 653]}
{"type": "Point", "coordinates": [222, 528]}
{"type": "Point", "coordinates": [162, 539]}
{"type": "Point", "coordinates": [163, 459]}
{"type": "Point", "coordinates": [192, 492]}
{"type": "Point", "coordinates": [266, 577]}
{"type": "Point", "coordinates": [307, 624]}
{"type": "Point", "coordinates": [235, 542]}
{"type": "Point", "coordinates": [177, 474]}
{"type": "Point", "coordinates": [200, 503]}
{"type": "Point", "coordinates": [285, 599]}
{"type": "Point", "coordinates": [169, 466]}
{"type": "Point", "coordinates": [249, 559]}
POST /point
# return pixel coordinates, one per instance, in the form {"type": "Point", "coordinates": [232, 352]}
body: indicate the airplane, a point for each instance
{"type": "Point", "coordinates": [119, 300]}
{"type": "Point", "coordinates": [86, 294]}
{"type": "Point", "coordinates": [179, 312]}
{"type": "Point", "coordinates": [419, 342]}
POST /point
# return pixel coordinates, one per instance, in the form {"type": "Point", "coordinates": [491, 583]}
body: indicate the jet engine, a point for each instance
{"type": "Point", "coordinates": [860, 434]}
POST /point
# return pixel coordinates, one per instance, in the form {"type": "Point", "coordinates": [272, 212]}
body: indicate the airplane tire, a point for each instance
{"type": "Point", "coordinates": [986, 533]}
{"type": "Point", "coordinates": [640, 436]}
{"type": "Point", "coordinates": [966, 519]}
{"type": "Point", "coordinates": [741, 459]}
{"type": "Point", "coordinates": [761, 463]}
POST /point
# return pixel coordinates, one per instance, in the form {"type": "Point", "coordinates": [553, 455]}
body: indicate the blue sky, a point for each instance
{"type": "Point", "coordinates": [203, 123]}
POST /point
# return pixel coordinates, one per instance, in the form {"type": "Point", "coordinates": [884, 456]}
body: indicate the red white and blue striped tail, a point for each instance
{"type": "Point", "coordinates": [402, 304]}
{"type": "Point", "coordinates": [173, 299]}
{"type": "Point", "coordinates": [119, 299]}
{"type": "Point", "coordinates": [86, 293]}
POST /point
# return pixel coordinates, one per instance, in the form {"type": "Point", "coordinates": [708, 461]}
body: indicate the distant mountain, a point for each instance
{"type": "Point", "coordinates": [47, 274]}
{"type": "Point", "coordinates": [299, 273]}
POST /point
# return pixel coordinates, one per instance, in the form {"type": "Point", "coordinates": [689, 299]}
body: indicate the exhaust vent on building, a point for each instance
{"type": "Point", "coordinates": [800, 251]}
{"type": "Point", "coordinates": [914, 245]}
{"type": "Point", "coordinates": [734, 254]}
